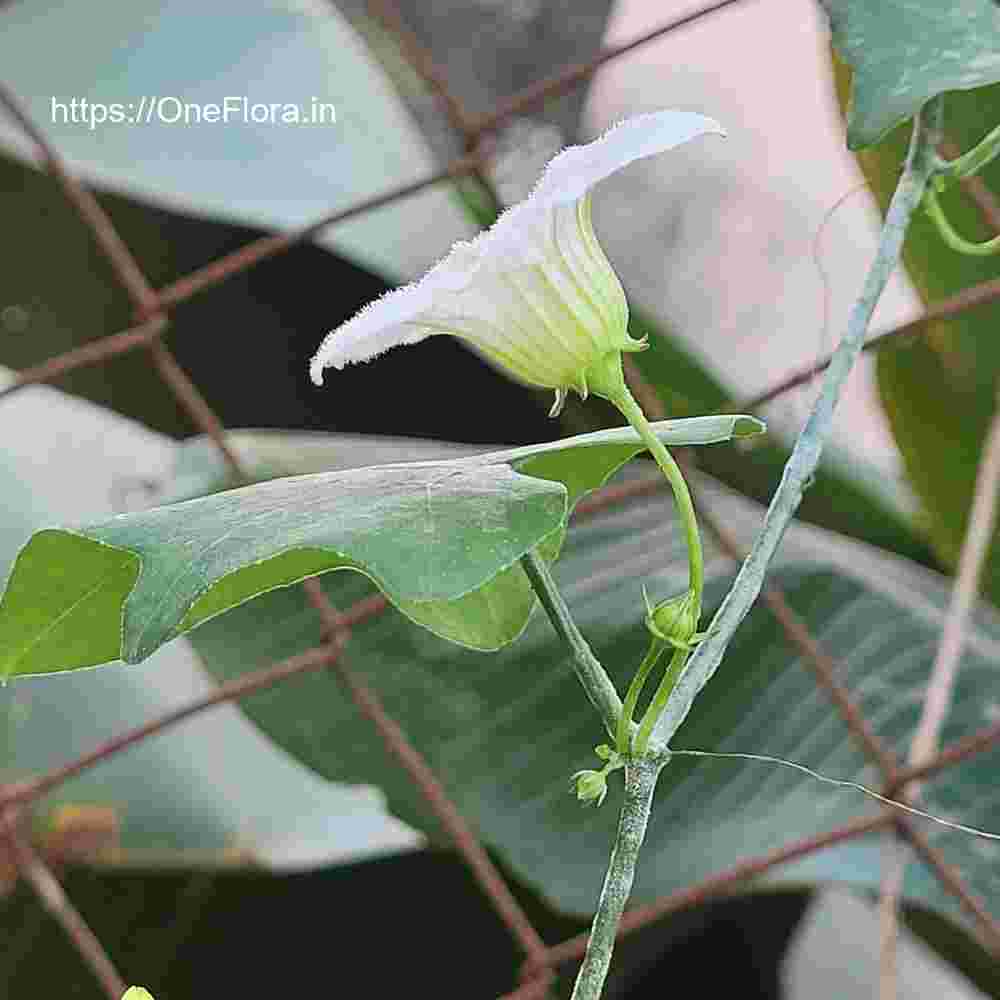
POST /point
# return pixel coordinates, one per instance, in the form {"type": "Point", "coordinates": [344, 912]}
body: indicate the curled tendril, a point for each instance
{"type": "Point", "coordinates": [957, 242]}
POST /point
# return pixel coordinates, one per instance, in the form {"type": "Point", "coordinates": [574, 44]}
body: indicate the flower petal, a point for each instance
{"type": "Point", "coordinates": [535, 291]}
{"type": "Point", "coordinates": [574, 171]}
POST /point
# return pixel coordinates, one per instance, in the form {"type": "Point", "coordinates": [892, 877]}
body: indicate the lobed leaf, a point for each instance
{"type": "Point", "coordinates": [440, 539]}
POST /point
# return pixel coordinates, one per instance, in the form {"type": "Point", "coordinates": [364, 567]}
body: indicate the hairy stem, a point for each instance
{"type": "Point", "coordinates": [640, 783]}
{"type": "Point", "coordinates": [920, 167]}
{"type": "Point", "coordinates": [591, 674]}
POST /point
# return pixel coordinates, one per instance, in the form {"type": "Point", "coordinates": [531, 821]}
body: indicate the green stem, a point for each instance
{"type": "Point", "coordinates": [640, 783]}
{"type": "Point", "coordinates": [632, 412]}
{"type": "Point", "coordinates": [652, 657]}
{"type": "Point", "coordinates": [952, 238]}
{"type": "Point", "coordinates": [920, 168]}
{"type": "Point", "coordinates": [591, 674]}
{"type": "Point", "coordinates": [971, 162]}
{"type": "Point", "coordinates": [659, 702]}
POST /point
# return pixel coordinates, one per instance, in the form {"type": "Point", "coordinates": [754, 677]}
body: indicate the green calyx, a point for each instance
{"type": "Point", "coordinates": [603, 377]}
{"type": "Point", "coordinates": [671, 623]}
{"type": "Point", "coordinates": [675, 620]}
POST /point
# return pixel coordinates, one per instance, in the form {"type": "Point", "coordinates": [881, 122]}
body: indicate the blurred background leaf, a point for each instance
{"type": "Point", "coordinates": [505, 730]}
{"type": "Point", "coordinates": [939, 390]}
{"type": "Point", "coordinates": [213, 785]}
{"type": "Point", "coordinates": [273, 310]}
{"type": "Point", "coordinates": [251, 173]}
{"type": "Point", "coordinates": [247, 343]}
{"type": "Point", "coordinates": [903, 53]}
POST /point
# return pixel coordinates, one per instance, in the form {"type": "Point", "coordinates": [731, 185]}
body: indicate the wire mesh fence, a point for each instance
{"type": "Point", "coordinates": [151, 321]}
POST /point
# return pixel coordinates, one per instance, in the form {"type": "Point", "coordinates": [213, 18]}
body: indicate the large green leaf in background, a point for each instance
{"type": "Point", "coordinates": [261, 173]}
{"type": "Point", "coordinates": [939, 390]}
{"type": "Point", "coordinates": [64, 314]}
{"type": "Point", "coordinates": [441, 539]}
{"type": "Point", "coordinates": [904, 52]}
{"type": "Point", "coordinates": [270, 176]}
{"type": "Point", "coordinates": [505, 730]}
{"type": "Point", "coordinates": [206, 913]}
{"type": "Point", "coordinates": [188, 796]}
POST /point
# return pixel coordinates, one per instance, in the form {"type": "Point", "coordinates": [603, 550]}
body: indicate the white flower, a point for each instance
{"type": "Point", "coordinates": [535, 292]}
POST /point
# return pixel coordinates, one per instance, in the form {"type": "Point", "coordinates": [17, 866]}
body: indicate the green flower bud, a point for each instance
{"type": "Point", "coordinates": [136, 993]}
{"type": "Point", "coordinates": [591, 787]}
{"type": "Point", "coordinates": [674, 620]}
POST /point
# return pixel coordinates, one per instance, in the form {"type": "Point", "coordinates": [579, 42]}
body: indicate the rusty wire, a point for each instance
{"type": "Point", "coordinates": [151, 308]}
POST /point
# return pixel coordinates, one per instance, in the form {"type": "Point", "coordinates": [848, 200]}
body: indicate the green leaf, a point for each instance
{"type": "Point", "coordinates": [163, 796]}
{"type": "Point", "coordinates": [904, 52]}
{"type": "Point", "coordinates": [441, 540]}
{"type": "Point", "coordinates": [938, 390]}
{"type": "Point", "coordinates": [506, 733]}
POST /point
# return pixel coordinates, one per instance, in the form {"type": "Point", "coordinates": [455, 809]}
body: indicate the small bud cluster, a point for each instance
{"type": "Point", "coordinates": [591, 787]}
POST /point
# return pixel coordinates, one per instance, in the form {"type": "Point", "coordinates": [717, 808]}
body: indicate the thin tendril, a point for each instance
{"type": "Point", "coordinates": [824, 275]}
{"type": "Point", "coordinates": [842, 783]}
